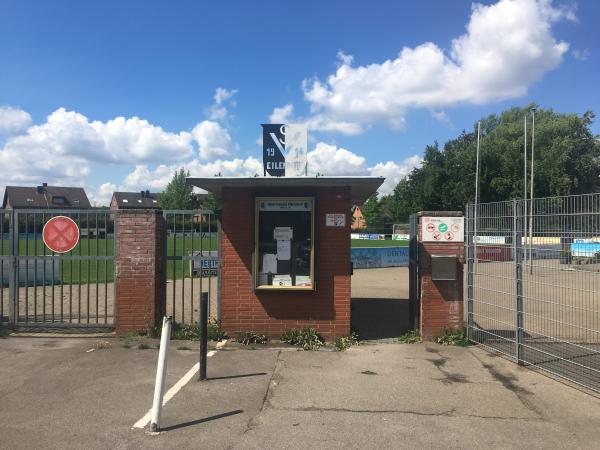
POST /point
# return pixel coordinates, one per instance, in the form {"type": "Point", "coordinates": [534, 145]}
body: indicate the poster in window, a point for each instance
{"type": "Point", "coordinates": [284, 243]}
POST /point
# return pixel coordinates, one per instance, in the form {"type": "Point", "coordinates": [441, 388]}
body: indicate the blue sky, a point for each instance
{"type": "Point", "coordinates": [115, 95]}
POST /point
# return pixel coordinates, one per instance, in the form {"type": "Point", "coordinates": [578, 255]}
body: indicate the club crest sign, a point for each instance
{"type": "Point", "coordinates": [285, 149]}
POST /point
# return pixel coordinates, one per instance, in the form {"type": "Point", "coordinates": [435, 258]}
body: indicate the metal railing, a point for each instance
{"type": "Point", "coordinates": [192, 254]}
{"type": "Point", "coordinates": [533, 283]}
{"type": "Point", "coordinates": [40, 288]}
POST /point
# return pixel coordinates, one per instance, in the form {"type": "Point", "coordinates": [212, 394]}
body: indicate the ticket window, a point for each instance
{"type": "Point", "coordinates": [284, 252]}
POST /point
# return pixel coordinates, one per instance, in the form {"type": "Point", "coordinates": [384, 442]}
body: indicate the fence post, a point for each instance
{"type": "Point", "coordinates": [203, 333]}
{"type": "Point", "coordinates": [470, 256]}
{"type": "Point", "coordinates": [518, 258]}
{"type": "Point", "coordinates": [13, 269]}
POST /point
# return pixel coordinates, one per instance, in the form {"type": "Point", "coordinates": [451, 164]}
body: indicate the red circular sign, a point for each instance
{"type": "Point", "coordinates": [61, 234]}
{"type": "Point", "coordinates": [430, 227]}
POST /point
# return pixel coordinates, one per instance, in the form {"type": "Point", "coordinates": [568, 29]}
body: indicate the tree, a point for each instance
{"type": "Point", "coordinates": [371, 211]}
{"type": "Point", "coordinates": [178, 194]}
{"type": "Point", "coordinates": [211, 202]}
{"type": "Point", "coordinates": [567, 161]}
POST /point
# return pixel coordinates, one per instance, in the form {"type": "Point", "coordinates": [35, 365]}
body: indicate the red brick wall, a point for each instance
{"type": "Point", "coordinates": [271, 312]}
{"type": "Point", "coordinates": [441, 301]}
{"type": "Point", "coordinates": [140, 270]}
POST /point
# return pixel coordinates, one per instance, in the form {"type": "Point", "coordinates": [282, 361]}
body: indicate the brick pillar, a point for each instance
{"type": "Point", "coordinates": [441, 300]}
{"type": "Point", "coordinates": [140, 275]}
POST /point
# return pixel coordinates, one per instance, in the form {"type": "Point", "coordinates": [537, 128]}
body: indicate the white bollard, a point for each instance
{"type": "Point", "coordinates": [161, 374]}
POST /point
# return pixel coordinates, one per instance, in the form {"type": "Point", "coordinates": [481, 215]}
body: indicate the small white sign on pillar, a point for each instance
{"type": "Point", "coordinates": [335, 220]}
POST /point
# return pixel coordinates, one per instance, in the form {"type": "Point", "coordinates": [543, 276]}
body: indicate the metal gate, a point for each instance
{"type": "Point", "coordinates": [533, 283]}
{"type": "Point", "coordinates": [192, 253]}
{"type": "Point", "coordinates": [414, 287]}
{"type": "Point", "coordinates": [42, 289]}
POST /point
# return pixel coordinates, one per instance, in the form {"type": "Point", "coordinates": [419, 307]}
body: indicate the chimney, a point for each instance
{"type": "Point", "coordinates": [147, 193]}
{"type": "Point", "coordinates": [43, 188]}
{"type": "Point", "coordinates": [143, 194]}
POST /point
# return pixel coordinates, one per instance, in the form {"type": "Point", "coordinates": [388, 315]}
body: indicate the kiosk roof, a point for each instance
{"type": "Point", "coordinates": [361, 187]}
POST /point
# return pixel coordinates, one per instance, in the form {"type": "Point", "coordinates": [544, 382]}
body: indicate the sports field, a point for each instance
{"type": "Point", "coordinates": [377, 243]}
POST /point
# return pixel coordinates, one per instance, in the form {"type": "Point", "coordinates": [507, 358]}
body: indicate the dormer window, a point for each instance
{"type": "Point", "coordinates": [59, 200]}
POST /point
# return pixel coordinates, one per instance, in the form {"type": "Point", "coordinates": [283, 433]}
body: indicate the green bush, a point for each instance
{"type": "Point", "coordinates": [410, 337]}
{"type": "Point", "coordinates": [191, 332]}
{"type": "Point", "coordinates": [344, 342]}
{"type": "Point", "coordinates": [308, 338]}
{"type": "Point", "coordinates": [251, 337]}
{"type": "Point", "coordinates": [456, 337]}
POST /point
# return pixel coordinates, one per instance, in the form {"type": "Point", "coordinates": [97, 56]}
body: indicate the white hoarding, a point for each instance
{"type": "Point", "coordinates": [442, 229]}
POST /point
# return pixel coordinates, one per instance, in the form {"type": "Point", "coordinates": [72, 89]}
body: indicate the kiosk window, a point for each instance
{"type": "Point", "coordinates": [284, 243]}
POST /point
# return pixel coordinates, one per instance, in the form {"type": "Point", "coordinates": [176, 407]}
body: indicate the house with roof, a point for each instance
{"type": "Point", "coordinates": [134, 200]}
{"type": "Point", "coordinates": [45, 197]}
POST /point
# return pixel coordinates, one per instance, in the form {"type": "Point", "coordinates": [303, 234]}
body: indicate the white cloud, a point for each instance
{"type": "Point", "coordinates": [103, 196]}
{"type": "Point", "coordinates": [282, 115]}
{"type": "Point", "coordinates": [213, 140]}
{"type": "Point", "coordinates": [144, 177]}
{"type": "Point", "coordinates": [394, 172]}
{"type": "Point", "coordinates": [223, 101]}
{"type": "Point", "coordinates": [581, 55]}
{"type": "Point", "coordinates": [13, 120]}
{"type": "Point", "coordinates": [329, 159]}
{"type": "Point", "coordinates": [344, 58]}
{"type": "Point", "coordinates": [507, 47]}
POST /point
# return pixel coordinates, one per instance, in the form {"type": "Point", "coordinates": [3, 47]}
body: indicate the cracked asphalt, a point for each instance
{"type": "Point", "coordinates": [56, 394]}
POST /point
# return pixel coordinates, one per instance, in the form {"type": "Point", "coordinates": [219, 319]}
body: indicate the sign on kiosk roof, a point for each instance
{"type": "Point", "coordinates": [442, 229]}
{"type": "Point", "coordinates": [60, 234]}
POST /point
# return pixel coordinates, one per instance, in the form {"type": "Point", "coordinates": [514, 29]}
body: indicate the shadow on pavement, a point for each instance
{"type": "Point", "coordinates": [379, 318]}
{"type": "Point", "coordinates": [237, 376]}
{"type": "Point", "coordinates": [199, 421]}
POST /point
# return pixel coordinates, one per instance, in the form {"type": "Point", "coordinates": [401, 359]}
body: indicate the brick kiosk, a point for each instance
{"type": "Point", "coordinates": [324, 301]}
{"type": "Point", "coordinates": [442, 298]}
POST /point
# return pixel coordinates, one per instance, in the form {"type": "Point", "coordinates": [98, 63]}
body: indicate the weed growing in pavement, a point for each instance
{"type": "Point", "coordinates": [410, 337]}
{"type": "Point", "coordinates": [344, 342]}
{"type": "Point", "coordinates": [308, 338]}
{"type": "Point", "coordinates": [191, 331]}
{"type": "Point", "coordinates": [453, 337]}
{"type": "Point", "coordinates": [183, 347]}
{"type": "Point", "coordinates": [143, 346]}
{"type": "Point", "coordinates": [251, 337]}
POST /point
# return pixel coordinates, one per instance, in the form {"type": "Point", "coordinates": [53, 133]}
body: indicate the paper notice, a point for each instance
{"type": "Point", "coordinates": [302, 280]}
{"type": "Point", "coordinates": [282, 280]}
{"type": "Point", "coordinates": [269, 263]}
{"type": "Point", "coordinates": [283, 233]}
{"type": "Point", "coordinates": [284, 250]}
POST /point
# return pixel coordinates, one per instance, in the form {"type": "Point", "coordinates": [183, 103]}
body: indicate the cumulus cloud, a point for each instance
{"type": "Point", "coordinates": [223, 98]}
{"type": "Point", "coordinates": [507, 47]}
{"type": "Point", "coordinates": [144, 177]}
{"type": "Point", "coordinates": [213, 139]}
{"type": "Point", "coordinates": [282, 115]}
{"type": "Point", "coordinates": [328, 159]}
{"type": "Point", "coordinates": [13, 120]}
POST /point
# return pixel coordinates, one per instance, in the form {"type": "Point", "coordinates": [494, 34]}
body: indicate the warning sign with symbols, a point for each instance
{"type": "Point", "coordinates": [442, 229]}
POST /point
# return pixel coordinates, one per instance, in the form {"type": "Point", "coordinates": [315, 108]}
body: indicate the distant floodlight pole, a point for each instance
{"type": "Point", "coordinates": [524, 180]}
{"type": "Point", "coordinates": [476, 192]}
{"type": "Point", "coordinates": [531, 181]}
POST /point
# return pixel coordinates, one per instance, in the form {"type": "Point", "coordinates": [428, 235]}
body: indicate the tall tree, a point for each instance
{"type": "Point", "coordinates": [567, 161]}
{"type": "Point", "coordinates": [178, 194]}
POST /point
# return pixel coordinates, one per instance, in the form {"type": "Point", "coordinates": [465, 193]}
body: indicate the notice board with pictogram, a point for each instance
{"type": "Point", "coordinates": [442, 229]}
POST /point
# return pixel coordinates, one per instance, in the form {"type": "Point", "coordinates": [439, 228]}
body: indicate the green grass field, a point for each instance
{"type": "Point", "coordinates": [82, 271]}
{"type": "Point", "coordinates": [378, 243]}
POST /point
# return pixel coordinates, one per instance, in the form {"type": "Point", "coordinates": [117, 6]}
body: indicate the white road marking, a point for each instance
{"type": "Point", "coordinates": [177, 387]}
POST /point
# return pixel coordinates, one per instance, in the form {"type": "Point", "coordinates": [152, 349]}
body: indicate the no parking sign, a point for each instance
{"type": "Point", "coordinates": [442, 229]}
{"type": "Point", "coordinates": [60, 234]}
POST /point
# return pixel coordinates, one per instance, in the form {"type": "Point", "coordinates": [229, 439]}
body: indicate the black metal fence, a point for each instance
{"type": "Point", "coordinates": [533, 283]}
{"type": "Point", "coordinates": [40, 288]}
{"type": "Point", "coordinates": [192, 249]}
